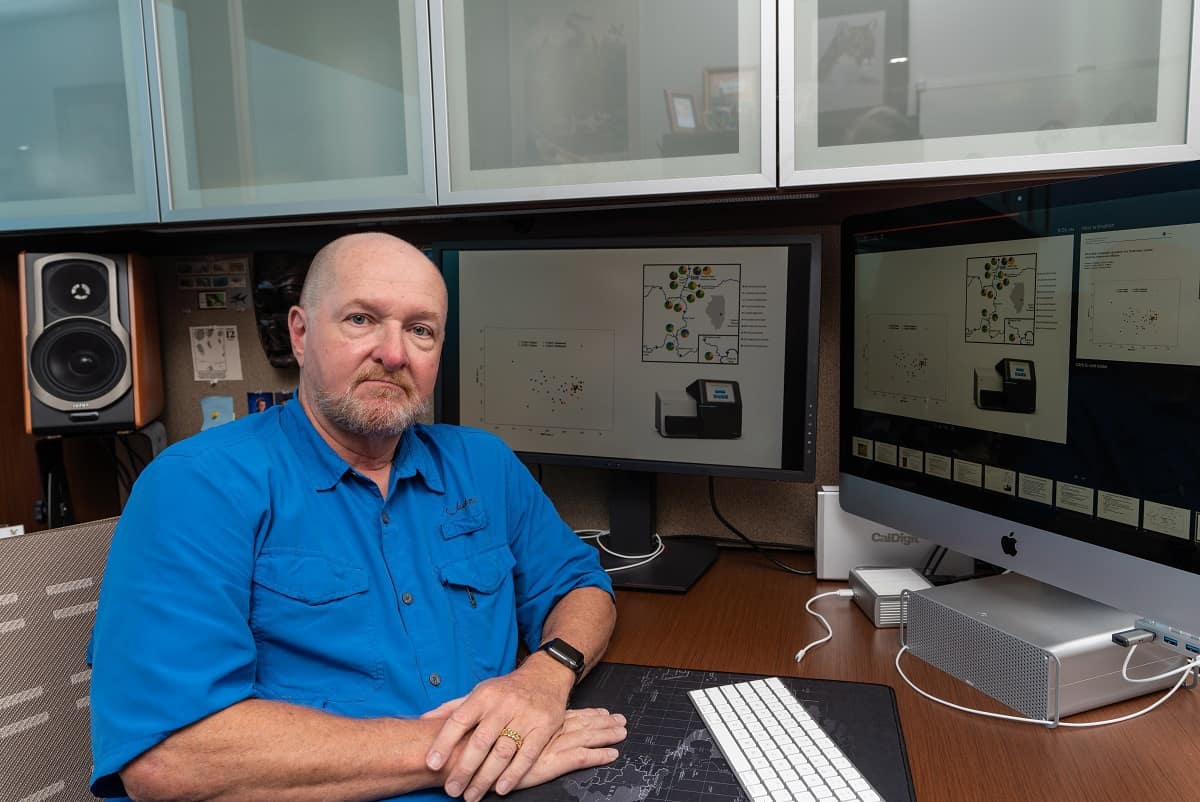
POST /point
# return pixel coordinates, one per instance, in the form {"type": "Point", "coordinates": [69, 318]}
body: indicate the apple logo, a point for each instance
{"type": "Point", "coordinates": [1008, 545]}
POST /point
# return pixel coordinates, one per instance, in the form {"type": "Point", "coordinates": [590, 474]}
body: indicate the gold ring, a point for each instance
{"type": "Point", "coordinates": [515, 736]}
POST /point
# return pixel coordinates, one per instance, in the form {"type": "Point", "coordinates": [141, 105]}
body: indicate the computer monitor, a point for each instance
{"type": "Point", "coordinates": [690, 356]}
{"type": "Point", "coordinates": [1021, 382]}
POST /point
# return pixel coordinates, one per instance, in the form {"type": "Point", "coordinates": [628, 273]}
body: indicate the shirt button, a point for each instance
{"type": "Point", "coordinates": [384, 517]}
{"type": "Point", "coordinates": [435, 680]}
{"type": "Point", "coordinates": [406, 598]}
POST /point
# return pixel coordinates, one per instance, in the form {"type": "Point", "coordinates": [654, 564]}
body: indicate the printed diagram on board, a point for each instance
{"type": "Point", "coordinates": [906, 355]}
{"type": "Point", "coordinates": [691, 313]}
{"type": "Point", "coordinates": [1136, 315]}
{"type": "Point", "coordinates": [1000, 299]}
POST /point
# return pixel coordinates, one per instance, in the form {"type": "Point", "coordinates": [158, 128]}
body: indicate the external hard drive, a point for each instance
{"type": "Point", "coordinates": [877, 591]}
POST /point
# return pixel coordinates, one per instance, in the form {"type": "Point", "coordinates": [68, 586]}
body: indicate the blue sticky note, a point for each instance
{"type": "Point", "coordinates": [215, 410]}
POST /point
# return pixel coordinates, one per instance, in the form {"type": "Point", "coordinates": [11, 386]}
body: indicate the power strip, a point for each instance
{"type": "Point", "coordinates": [1175, 639]}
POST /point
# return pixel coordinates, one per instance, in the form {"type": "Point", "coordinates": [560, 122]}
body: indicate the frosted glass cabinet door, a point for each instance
{"type": "Point", "coordinates": [75, 143]}
{"type": "Point", "coordinates": [543, 99]}
{"type": "Point", "coordinates": [881, 89]}
{"type": "Point", "coordinates": [291, 106]}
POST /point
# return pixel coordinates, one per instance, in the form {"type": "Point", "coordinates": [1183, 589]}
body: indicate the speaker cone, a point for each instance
{"type": "Point", "coordinates": [78, 360]}
{"type": "Point", "coordinates": [76, 288]}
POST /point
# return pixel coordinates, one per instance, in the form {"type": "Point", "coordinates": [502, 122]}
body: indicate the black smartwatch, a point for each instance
{"type": "Point", "coordinates": [564, 653]}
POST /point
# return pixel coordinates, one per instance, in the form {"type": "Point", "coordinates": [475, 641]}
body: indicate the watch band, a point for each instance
{"type": "Point", "coordinates": [566, 654]}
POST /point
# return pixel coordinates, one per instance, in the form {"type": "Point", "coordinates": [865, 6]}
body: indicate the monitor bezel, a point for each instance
{"type": "Point", "coordinates": [802, 346]}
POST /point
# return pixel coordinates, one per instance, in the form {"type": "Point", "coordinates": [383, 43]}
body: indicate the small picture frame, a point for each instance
{"type": "Point", "coordinates": [681, 111]}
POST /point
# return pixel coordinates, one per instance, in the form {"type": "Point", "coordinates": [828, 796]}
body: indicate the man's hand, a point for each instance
{"type": "Point", "coordinates": [579, 744]}
{"type": "Point", "coordinates": [530, 702]}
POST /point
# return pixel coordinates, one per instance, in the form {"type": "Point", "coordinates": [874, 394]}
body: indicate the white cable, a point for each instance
{"type": "Point", "coordinates": [598, 534]}
{"type": "Point", "coordinates": [845, 593]}
{"type": "Point", "coordinates": [1183, 672]}
{"type": "Point", "coordinates": [1183, 669]}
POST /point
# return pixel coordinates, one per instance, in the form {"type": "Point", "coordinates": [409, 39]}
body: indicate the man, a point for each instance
{"type": "Point", "coordinates": [323, 601]}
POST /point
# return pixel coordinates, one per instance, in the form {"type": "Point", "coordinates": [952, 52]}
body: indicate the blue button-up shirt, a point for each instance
{"type": "Point", "coordinates": [253, 562]}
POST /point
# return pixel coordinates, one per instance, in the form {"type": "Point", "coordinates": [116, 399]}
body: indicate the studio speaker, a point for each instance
{"type": "Point", "coordinates": [91, 352]}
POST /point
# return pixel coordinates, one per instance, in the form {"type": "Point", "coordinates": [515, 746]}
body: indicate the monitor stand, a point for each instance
{"type": "Point", "coordinates": [631, 522]}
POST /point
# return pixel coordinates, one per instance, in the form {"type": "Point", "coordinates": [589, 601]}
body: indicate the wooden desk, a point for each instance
{"type": "Point", "coordinates": [746, 615]}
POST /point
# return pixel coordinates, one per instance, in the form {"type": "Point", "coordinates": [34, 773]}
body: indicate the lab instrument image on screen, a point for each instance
{"type": "Point", "coordinates": [1019, 382]}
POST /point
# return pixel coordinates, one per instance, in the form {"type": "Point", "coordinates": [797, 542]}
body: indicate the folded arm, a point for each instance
{"type": "Point", "coordinates": [264, 750]}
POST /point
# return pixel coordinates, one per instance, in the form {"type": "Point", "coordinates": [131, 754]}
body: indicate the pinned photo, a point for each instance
{"type": "Point", "coordinates": [258, 402]}
{"type": "Point", "coordinates": [211, 300]}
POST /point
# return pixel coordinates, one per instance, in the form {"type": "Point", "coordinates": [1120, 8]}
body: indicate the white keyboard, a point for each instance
{"type": "Point", "coordinates": [776, 749]}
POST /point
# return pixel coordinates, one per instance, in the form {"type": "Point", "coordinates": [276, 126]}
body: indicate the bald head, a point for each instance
{"type": "Point", "coordinates": [356, 249]}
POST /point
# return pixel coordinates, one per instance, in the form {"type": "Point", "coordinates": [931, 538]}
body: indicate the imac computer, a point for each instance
{"type": "Point", "coordinates": [693, 356]}
{"type": "Point", "coordinates": [1021, 382]}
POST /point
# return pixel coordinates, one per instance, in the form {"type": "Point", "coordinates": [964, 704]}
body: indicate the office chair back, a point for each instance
{"type": "Point", "coordinates": [49, 583]}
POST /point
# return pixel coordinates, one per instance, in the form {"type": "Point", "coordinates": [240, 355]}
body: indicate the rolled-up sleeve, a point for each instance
{"type": "Point", "coordinates": [171, 644]}
{"type": "Point", "coordinates": [551, 560]}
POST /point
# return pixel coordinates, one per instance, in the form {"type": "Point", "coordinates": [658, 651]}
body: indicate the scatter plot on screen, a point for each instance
{"type": "Point", "coordinates": [907, 356]}
{"type": "Point", "coordinates": [549, 378]}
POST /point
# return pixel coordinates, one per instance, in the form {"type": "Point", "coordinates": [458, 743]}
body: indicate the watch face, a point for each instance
{"type": "Point", "coordinates": [566, 658]}
{"type": "Point", "coordinates": [564, 653]}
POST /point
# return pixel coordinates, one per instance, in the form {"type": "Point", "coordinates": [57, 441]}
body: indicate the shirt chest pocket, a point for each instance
{"type": "Point", "coordinates": [483, 602]}
{"type": "Point", "coordinates": [314, 622]}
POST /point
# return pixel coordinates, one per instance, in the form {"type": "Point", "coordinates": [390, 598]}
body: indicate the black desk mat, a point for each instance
{"type": "Point", "coordinates": [669, 756]}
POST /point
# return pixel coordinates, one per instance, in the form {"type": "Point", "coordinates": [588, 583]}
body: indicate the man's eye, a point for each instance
{"type": "Point", "coordinates": [422, 331]}
{"type": "Point", "coordinates": [359, 319]}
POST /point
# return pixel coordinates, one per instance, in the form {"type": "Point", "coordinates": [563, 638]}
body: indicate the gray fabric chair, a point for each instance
{"type": "Point", "coordinates": [49, 582]}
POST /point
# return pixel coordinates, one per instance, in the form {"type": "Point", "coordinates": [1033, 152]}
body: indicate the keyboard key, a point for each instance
{"type": "Point", "coordinates": [813, 780]}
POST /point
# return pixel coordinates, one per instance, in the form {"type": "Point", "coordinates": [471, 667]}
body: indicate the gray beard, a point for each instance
{"type": "Point", "coordinates": [352, 415]}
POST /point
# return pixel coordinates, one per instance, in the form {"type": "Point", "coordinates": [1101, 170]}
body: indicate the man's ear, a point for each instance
{"type": "Point", "coordinates": [297, 327]}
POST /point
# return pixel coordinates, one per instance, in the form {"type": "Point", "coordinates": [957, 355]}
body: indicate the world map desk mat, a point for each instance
{"type": "Point", "coordinates": [670, 757]}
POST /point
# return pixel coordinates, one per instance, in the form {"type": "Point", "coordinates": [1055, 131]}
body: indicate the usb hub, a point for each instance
{"type": "Point", "coordinates": [1185, 643]}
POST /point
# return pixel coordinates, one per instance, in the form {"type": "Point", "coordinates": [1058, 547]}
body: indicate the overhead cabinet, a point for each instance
{"type": "Point", "coordinates": [75, 143]}
{"type": "Point", "coordinates": [291, 106]}
{"type": "Point", "coordinates": [547, 99]}
{"type": "Point", "coordinates": [140, 111]}
{"type": "Point", "coordinates": [874, 90]}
